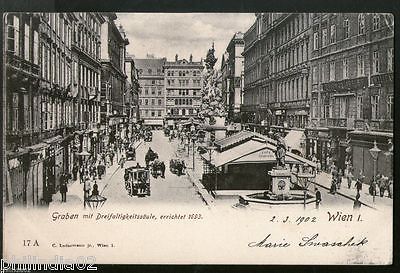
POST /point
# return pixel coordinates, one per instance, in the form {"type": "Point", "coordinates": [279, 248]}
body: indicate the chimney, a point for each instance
{"type": "Point", "coordinates": [176, 58]}
{"type": "Point", "coordinates": [191, 58]}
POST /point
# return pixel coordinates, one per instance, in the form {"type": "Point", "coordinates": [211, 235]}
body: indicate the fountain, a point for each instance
{"type": "Point", "coordinates": [282, 190]}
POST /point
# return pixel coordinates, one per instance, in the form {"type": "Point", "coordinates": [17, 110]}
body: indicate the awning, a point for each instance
{"type": "Point", "coordinates": [153, 122]}
{"type": "Point", "coordinates": [53, 140]}
{"type": "Point", "coordinates": [294, 140]}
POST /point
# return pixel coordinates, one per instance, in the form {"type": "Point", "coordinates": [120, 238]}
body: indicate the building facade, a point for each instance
{"type": "Point", "coordinates": [183, 88]}
{"type": "Point", "coordinates": [86, 75]}
{"type": "Point", "coordinates": [232, 69]}
{"type": "Point", "coordinates": [132, 94]}
{"type": "Point", "coordinates": [352, 61]}
{"type": "Point", "coordinates": [113, 79]}
{"type": "Point", "coordinates": [151, 92]}
{"type": "Point", "coordinates": [277, 86]}
{"type": "Point", "coordinates": [39, 105]}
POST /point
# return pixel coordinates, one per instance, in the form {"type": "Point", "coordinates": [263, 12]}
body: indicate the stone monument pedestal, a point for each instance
{"type": "Point", "coordinates": [280, 181]}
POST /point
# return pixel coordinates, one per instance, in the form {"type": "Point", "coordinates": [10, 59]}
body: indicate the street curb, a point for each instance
{"type": "Point", "coordinates": [205, 196]}
{"type": "Point", "coordinates": [344, 195]}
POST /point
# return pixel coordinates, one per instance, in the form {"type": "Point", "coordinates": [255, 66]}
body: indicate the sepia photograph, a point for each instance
{"type": "Point", "coordinates": [154, 138]}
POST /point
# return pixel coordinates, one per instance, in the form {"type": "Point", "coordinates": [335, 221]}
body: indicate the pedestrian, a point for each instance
{"type": "Point", "coordinates": [382, 183]}
{"type": "Point", "coordinates": [390, 187]}
{"type": "Point", "coordinates": [317, 198]}
{"type": "Point", "coordinates": [112, 157]}
{"type": "Point", "coordinates": [318, 166]}
{"type": "Point", "coordinates": [95, 190]}
{"type": "Point", "coordinates": [357, 203]}
{"type": "Point", "coordinates": [349, 178]}
{"type": "Point", "coordinates": [81, 174]}
{"type": "Point", "coordinates": [87, 188]}
{"type": "Point", "coordinates": [372, 187]}
{"type": "Point", "coordinates": [63, 188]}
{"type": "Point", "coordinates": [75, 172]}
{"type": "Point", "coordinates": [339, 179]}
{"type": "Point", "coordinates": [333, 186]}
{"type": "Point", "coordinates": [162, 167]}
{"type": "Point", "coordinates": [122, 161]}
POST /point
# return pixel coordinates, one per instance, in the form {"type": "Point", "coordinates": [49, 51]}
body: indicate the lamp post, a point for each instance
{"type": "Point", "coordinates": [193, 133]}
{"type": "Point", "coordinates": [84, 155]}
{"type": "Point", "coordinates": [304, 179]}
{"type": "Point", "coordinates": [374, 151]}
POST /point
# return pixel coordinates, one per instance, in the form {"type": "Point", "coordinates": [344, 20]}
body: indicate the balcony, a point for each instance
{"type": "Point", "coordinates": [337, 122]}
{"type": "Point", "coordinates": [20, 64]}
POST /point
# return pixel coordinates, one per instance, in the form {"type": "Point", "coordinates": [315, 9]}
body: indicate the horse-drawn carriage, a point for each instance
{"type": "Point", "coordinates": [130, 153]}
{"type": "Point", "coordinates": [157, 168]}
{"type": "Point", "coordinates": [177, 166]}
{"type": "Point", "coordinates": [148, 136]}
{"type": "Point", "coordinates": [150, 156]}
{"type": "Point", "coordinates": [137, 181]}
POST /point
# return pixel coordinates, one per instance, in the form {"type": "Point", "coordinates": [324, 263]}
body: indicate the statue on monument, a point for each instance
{"type": "Point", "coordinates": [210, 58]}
{"type": "Point", "coordinates": [280, 151]}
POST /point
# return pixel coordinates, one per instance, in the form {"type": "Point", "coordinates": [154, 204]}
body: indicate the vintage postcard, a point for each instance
{"type": "Point", "coordinates": [197, 138]}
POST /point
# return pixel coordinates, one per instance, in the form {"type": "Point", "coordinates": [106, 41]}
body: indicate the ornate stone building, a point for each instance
{"type": "Point", "coordinates": [352, 89]}
{"type": "Point", "coordinates": [183, 88]}
{"type": "Point", "coordinates": [277, 85]}
{"type": "Point", "coordinates": [151, 92]}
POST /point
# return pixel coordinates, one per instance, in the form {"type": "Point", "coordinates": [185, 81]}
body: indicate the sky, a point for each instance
{"type": "Point", "coordinates": [167, 34]}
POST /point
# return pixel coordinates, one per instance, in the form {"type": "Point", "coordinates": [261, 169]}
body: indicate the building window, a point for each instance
{"type": "Point", "coordinates": [332, 71]}
{"type": "Point", "coordinates": [375, 62]}
{"type": "Point", "coordinates": [314, 108]}
{"type": "Point", "coordinates": [153, 113]}
{"type": "Point", "coordinates": [390, 59]}
{"type": "Point", "coordinates": [346, 29]}
{"type": "Point", "coordinates": [27, 43]}
{"type": "Point", "coordinates": [146, 91]}
{"type": "Point", "coordinates": [361, 24]}
{"type": "Point", "coordinates": [153, 90]}
{"type": "Point", "coordinates": [359, 107]}
{"type": "Point", "coordinates": [13, 35]}
{"type": "Point", "coordinates": [324, 37]}
{"type": "Point", "coordinates": [390, 112]}
{"type": "Point", "coordinates": [159, 113]}
{"type": "Point", "coordinates": [375, 107]}
{"type": "Point", "coordinates": [360, 65]}
{"type": "Point", "coordinates": [152, 101]}
{"type": "Point", "coordinates": [375, 22]}
{"type": "Point", "coordinates": [333, 34]}
{"type": "Point", "coordinates": [146, 113]}
{"type": "Point", "coordinates": [159, 101]}
{"type": "Point", "coordinates": [146, 102]}
{"type": "Point", "coordinates": [315, 74]}
{"type": "Point", "coordinates": [35, 47]}
{"type": "Point", "coordinates": [149, 71]}
{"type": "Point", "coordinates": [345, 69]}
{"type": "Point", "coordinates": [15, 112]}
{"type": "Point", "coordinates": [343, 106]}
{"type": "Point", "coordinates": [315, 40]}
{"type": "Point", "coordinates": [323, 72]}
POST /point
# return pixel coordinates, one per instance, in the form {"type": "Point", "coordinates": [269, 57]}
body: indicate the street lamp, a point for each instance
{"type": "Point", "coordinates": [304, 179]}
{"type": "Point", "coordinates": [374, 151]}
{"type": "Point", "coordinates": [84, 155]}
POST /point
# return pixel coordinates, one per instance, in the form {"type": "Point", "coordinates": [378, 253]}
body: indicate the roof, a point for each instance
{"type": "Point", "coordinates": [149, 62]}
{"type": "Point", "coordinates": [233, 139]}
{"type": "Point", "coordinates": [253, 151]}
{"type": "Point", "coordinates": [241, 147]}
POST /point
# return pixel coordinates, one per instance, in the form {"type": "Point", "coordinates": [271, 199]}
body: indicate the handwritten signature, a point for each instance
{"type": "Point", "coordinates": [308, 241]}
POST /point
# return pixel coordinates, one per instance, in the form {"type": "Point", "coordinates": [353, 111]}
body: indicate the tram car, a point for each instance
{"type": "Point", "coordinates": [137, 181]}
